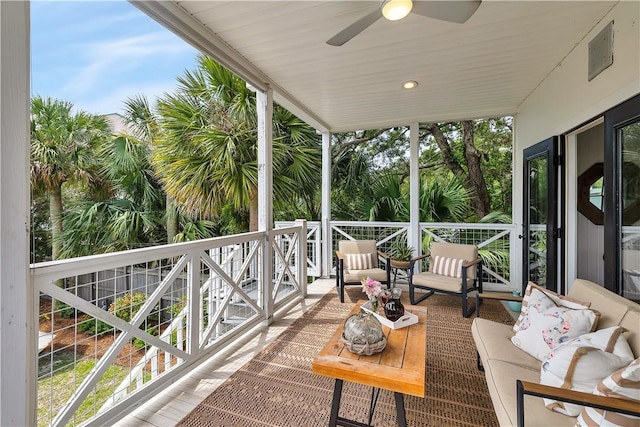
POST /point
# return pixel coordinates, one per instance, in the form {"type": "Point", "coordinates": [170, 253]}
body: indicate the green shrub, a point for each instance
{"type": "Point", "coordinates": [138, 343]}
{"type": "Point", "coordinates": [126, 306]}
{"type": "Point", "coordinates": [91, 326]}
{"type": "Point", "coordinates": [64, 310]}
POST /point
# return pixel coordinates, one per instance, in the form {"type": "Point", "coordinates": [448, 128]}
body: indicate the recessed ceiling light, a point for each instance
{"type": "Point", "coordinates": [409, 84]}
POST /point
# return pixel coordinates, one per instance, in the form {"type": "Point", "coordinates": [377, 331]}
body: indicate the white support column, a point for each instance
{"type": "Point", "coordinates": [327, 253]}
{"type": "Point", "coordinates": [264, 102]}
{"type": "Point", "coordinates": [414, 239]}
{"type": "Point", "coordinates": [17, 333]}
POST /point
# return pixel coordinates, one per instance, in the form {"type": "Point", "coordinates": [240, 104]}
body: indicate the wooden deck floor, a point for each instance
{"type": "Point", "coordinates": [178, 400]}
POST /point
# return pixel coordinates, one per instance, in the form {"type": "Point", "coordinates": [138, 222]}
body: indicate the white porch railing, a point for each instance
{"type": "Point", "coordinates": [496, 243]}
{"type": "Point", "coordinates": [170, 306]}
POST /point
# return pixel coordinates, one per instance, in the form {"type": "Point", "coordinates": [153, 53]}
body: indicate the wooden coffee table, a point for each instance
{"type": "Point", "coordinates": [399, 368]}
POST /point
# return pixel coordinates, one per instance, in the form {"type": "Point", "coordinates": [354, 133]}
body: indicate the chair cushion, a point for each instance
{"type": "Point", "coordinates": [436, 281]}
{"type": "Point", "coordinates": [356, 276]}
{"type": "Point", "coordinates": [444, 266]}
{"type": "Point", "coordinates": [625, 384]}
{"type": "Point", "coordinates": [545, 325]}
{"type": "Point", "coordinates": [358, 261]}
{"type": "Point", "coordinates": [582, 363]}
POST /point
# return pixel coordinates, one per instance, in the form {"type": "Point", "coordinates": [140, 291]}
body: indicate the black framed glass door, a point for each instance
{"type": "Point", "coordinates": [622, 199]}
{"type": "Point", "coordinates": [540, 214]}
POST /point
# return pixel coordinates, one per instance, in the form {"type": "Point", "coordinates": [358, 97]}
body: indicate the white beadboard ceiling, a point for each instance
{"type": "Point", "coordinates": [485, 67]}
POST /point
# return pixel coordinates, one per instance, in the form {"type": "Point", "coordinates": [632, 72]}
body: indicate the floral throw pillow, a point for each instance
{"type": "Point", "coordinates": [546, 325]}
{"type": "Point", "coordinates": [558, 299]}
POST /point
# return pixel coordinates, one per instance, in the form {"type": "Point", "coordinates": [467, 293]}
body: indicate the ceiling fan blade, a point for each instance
{"type": "Point", "coordinates": [453, 11]}
{"type": "Point", "coordinates": [356, 28]}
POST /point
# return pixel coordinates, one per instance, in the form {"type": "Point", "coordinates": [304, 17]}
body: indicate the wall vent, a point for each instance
{"type": "Point", "coordinates": [601, 51]}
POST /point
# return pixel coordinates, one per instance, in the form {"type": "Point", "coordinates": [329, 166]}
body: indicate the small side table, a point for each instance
{"type": "Point", "coordinates": [399, 265]}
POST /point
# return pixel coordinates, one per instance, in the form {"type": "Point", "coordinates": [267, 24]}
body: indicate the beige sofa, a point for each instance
{"type": "Point", "coordinates": [504, 363]}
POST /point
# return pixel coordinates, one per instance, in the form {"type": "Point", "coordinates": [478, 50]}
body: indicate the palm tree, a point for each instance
{"type": "Point", "coordinates": [142, 124]}
{"type": "Point", "coordinates": [208, 155]}
{"type": "Point", "coordinates": [443, 199]}
{"type": "Point", "coordinates": [131, 214]}
{"type": "Point", "coordinates": [62, 147]}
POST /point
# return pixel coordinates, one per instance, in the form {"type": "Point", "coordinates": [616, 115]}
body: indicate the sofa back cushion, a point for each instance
{"type": "Point", "coordinates": [612, 307]}
{"type": "Point", "coordinates": [631, 322]}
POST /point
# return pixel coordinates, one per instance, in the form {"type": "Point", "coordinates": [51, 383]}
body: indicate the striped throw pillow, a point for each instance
{"type": "Point", "coordinates": [623, 383]}
{"type": "Point", "coordinates": [447, 266]}
{"type": "Point", "coordinates": [358, 261]}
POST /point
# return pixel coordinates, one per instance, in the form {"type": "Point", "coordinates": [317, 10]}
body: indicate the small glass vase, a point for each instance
{"type": "Point", "coordinates": [394, 309]}
{"type": "Point", "coordinates": [374, 305]}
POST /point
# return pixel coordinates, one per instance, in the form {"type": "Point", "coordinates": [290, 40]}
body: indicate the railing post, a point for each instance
{"type": "Point", "coordinates": [302, 256]}
{"type": "Point", "coordinates": [515, 273]}
{"type": "Point", "coordinates": [193, 289]}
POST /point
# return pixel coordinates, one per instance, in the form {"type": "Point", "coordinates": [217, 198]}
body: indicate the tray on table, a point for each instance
{"type": "Point", "coordinates": [406, 320]}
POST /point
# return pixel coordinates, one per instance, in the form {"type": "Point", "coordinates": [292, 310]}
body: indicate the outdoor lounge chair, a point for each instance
{"type": "Point", "coordinates": [453, 269]}
{"type": "Point", "coordinates": [357, 260]}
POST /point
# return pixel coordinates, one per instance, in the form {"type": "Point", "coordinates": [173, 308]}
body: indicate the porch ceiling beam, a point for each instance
{"type": "Point", "coordinates": [174, 18]}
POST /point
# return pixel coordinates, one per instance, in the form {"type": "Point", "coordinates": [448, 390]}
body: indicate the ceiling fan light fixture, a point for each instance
{"type": "Point", "coordinates": [396, 9]}
{"type": "Point", "coordinates": [409, 84]}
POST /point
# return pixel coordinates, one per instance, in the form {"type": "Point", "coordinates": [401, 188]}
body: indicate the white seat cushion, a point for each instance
{"type": "Point", "coordinates": [436, 281]}
{"type": "Point", "coordinates": [356, 276]}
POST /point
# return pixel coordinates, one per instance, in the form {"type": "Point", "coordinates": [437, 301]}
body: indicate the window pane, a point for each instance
{"type": "Point", "coordinates": [630, 210]}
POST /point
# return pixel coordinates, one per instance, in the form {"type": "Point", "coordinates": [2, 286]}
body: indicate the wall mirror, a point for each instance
{"type": "Point", "coordinates": [590, 193]}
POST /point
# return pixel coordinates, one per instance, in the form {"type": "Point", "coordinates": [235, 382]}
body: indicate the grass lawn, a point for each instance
{"type": "Point", "coordinates": [54, 391]}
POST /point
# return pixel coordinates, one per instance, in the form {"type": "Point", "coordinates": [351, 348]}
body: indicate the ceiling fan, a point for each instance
{"type": "Point", "coordinates": [458, 11]}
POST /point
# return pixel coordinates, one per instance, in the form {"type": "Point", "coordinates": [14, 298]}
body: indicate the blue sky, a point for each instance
{"type": "Point", "coordinates": [96, 54]}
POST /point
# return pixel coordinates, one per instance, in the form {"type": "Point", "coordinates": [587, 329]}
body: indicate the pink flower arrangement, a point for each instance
{"type": "Point", "coordinates": [372, 288]}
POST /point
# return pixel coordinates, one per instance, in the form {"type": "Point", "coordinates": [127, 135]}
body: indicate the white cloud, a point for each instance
{"type": "Point", "coordinates": [113, 102]}
{"type": "Point", "coordinates": [109, 59]}
{"type": "Point", "coordinates": [95, 54]}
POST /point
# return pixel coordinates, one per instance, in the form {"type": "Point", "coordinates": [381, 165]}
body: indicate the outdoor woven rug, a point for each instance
{"type": "Point", "coordinates": [277, 388]}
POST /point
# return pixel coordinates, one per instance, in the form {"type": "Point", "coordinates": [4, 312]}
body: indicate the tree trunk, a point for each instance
{"type": "Point", "coordinates": [55, 214]}
{"type": "Point", "coordinates": [473, 180]}
{"type": "Point", "coordinates": [253, 213]}
{"type": "Point", "coordinates": [172, 219]}
{"type": "Point", "coordinates": [480, 194]}
{"type": "Point", "coordinates": [445, 149]}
